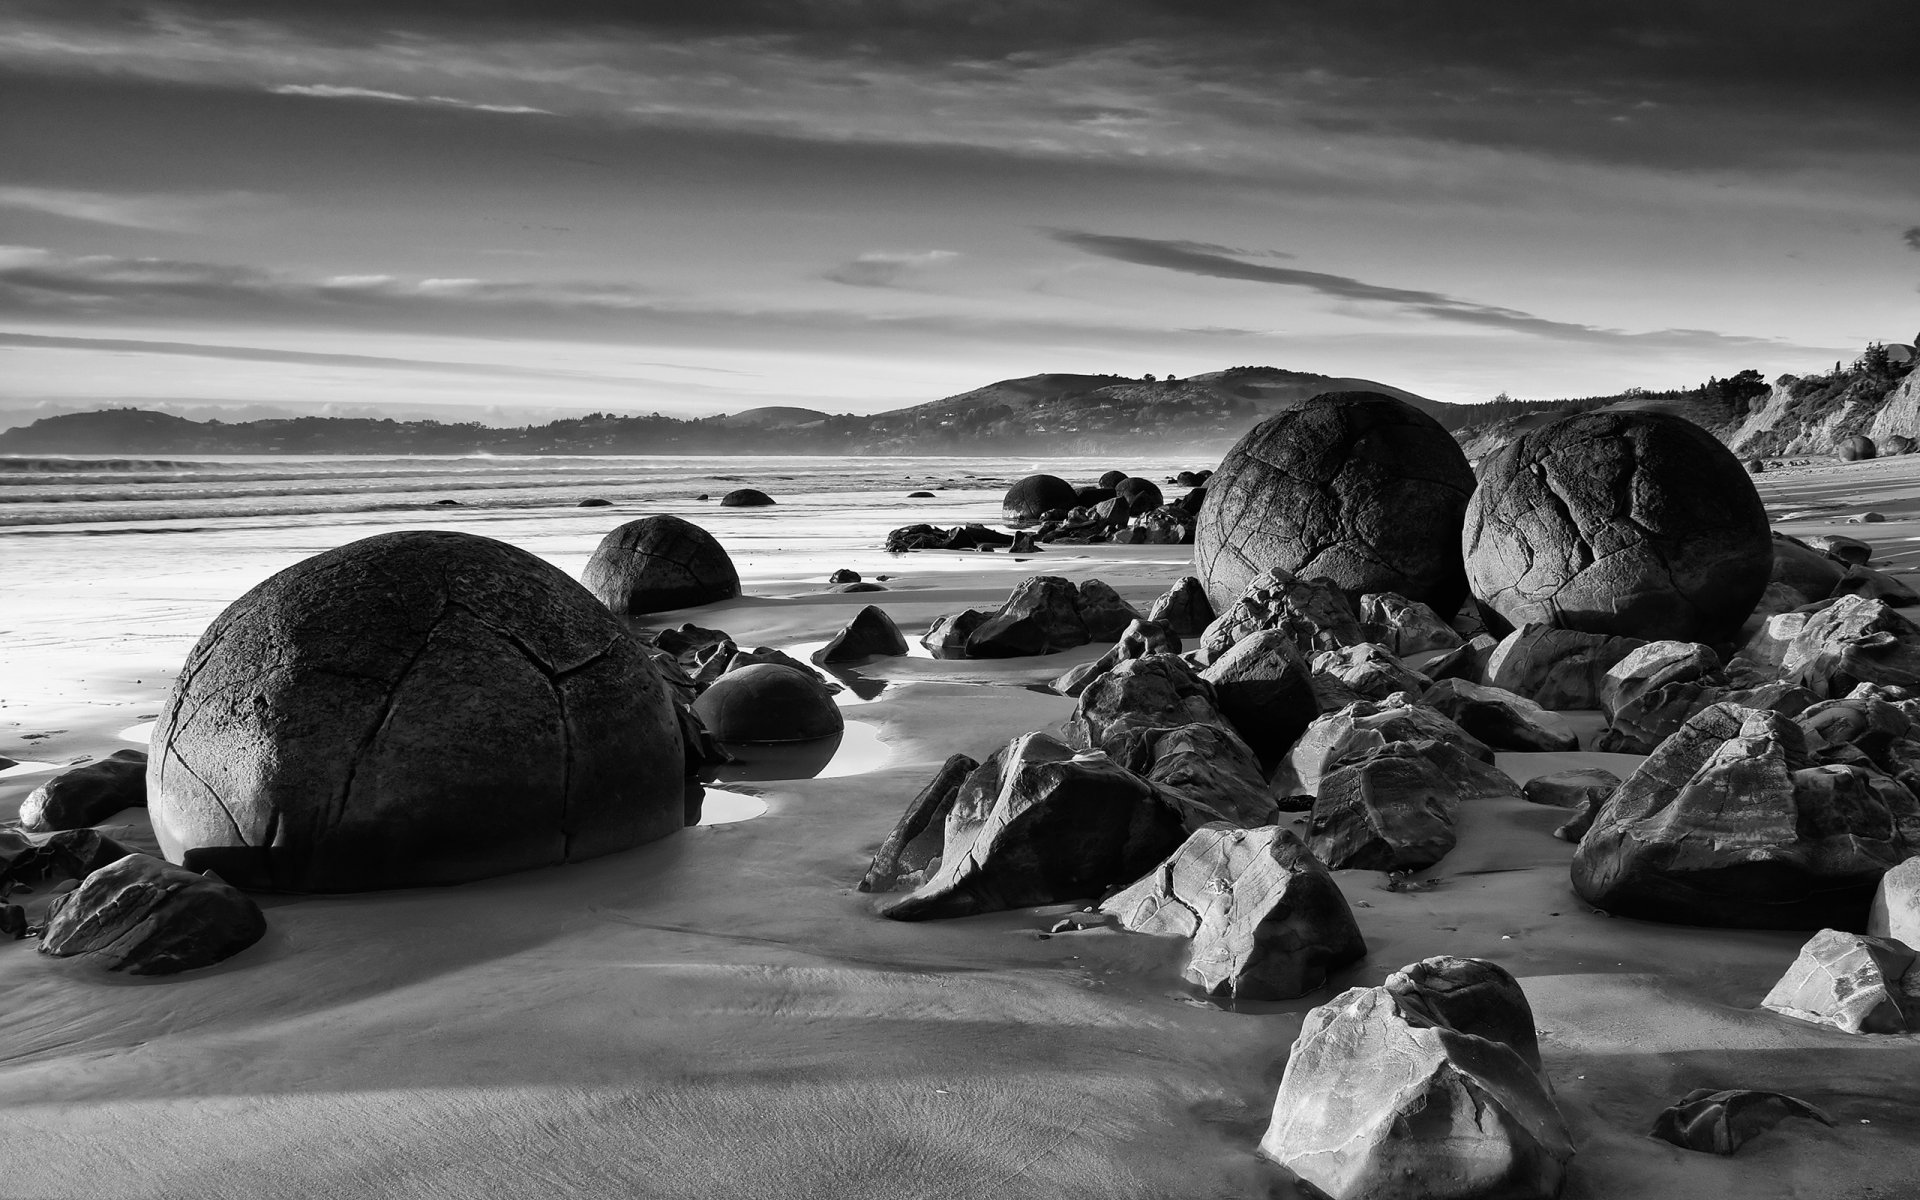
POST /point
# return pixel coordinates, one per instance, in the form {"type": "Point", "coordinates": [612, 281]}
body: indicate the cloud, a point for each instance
{"type": "Point", "coordinates": [885, 269]}
{"type": "Point", "coordinates": [328, 91]}
{"type": "Point", "coordinates": [159, 211]}
{"type": "Point", "coordinates": [1184, 257]}
{"type": "Point", "coordinates": [1912, 238]}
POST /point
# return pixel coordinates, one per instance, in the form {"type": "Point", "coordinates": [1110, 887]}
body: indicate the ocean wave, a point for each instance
{"type": "Point", "coordinates": [78, 466]}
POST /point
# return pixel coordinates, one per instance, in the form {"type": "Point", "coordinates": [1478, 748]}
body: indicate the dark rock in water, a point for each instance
{"type": "Point", "coordinates": [918, 841]}
{"type": "Point", "coordinates": [1852, 641]}
{"type": "Point", "coordinates": [147, 917]}
{"type": "Point", "coordinates": [1368, 671]}
{"type": "Point", "coordinates": [1112, 479]}
{"type": "Point", "coordinates": [947, 636]}
{"type": "Point", "coordinates": [1035, 825]}
{"type": "Point", "coordinates": [1183, 608]}
{"type": "Point", "coordinates": [1404, 626]}
{"type": "Point", "coordinates": [844, 575]}
{"type": "Point", "coordinates": [1634, 523]}
{"type": "Point", "coordinates": [1105, 611]}
{"type": "Point", "coordinates": [1187, 479]}
{"type": "Point", "coordinates": [920, 495]}
{"type": "Point", "coordinates": [769, 703]}
{"type": "Point", "coordinates": [1380, 1103]}
{"type": "Point", "coordinates": [1841, 548]}
{"type": "Point", "coordinates": [1723, 1121]}
{"type": "Point", "coordinates": [703, 496]}
{"type": "Point", "coordinates": [871, 633]}
{"type": "Point", "coordinates": [1811, 574]}
{"type": "Point", "coordinates": [594, 502]}
{"type": "Point", "coordinates": [1389, 811]}
{"type": "Point", "coordinates": [1895, 912]}
{"type": "Point", "coordinates": [1139, 640]}
{"type": "Point", "coordinates": [862, 586]}
{"type": "Point", "coordinates": [1357, 487]}
{"type": "Point", "coordinates": [1264, 687]}
{"type": "Point", "coordinates": [87, 795]}
{"type": "Point", "coordinates": [1472, 996]}
{"type": "Point", "coordinates": [1159, 691]}
{"type": "Point", "coordinates": [1578, 789]}
{"type": "Point", "coordinates": [442, 708]}
{"type": "Point", "coordinates": [1023, 543]}
{"type": "Point", "coordinates": [1266, 920]}
{"type": "Point", "coordinates": [1141, 495]}
{"type": "Point", "coordinates": [1730, 822]}
{"type": "Point", "coordinates": [1867, 518]}
{"type": "Point", "coordinates": [1207, 770]}
{"type": "Point", "coordinates": [743, 659]}
{"type": "Point", "coordinates": [745, 498]}
{"type": "Point", "coordinates": [1042, 616]}
{"type": "Point", "coordinates": [1877, 585]}
{"type": "Point", "coordinates": [1855, 448]}
{"type": "Point", "coordinates": [446, 504]}
{"type": "Point", "coordinates": [660, 563]}
{"type": "Point", "coordinates": [1851, 982]}
{"type": "Point", "coordinates": [1557, 668]}
{"type": "Point", "coordinates": [1032, 497]}
{"type": "Point", "coordinates": [1315, 614]}
{"type": "Point", "coordinates": [1361, 728]}
{"type": "Point", "coordinates": [1499, 718]}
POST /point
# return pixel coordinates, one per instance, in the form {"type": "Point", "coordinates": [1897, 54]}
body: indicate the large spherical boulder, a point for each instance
{"type": "Point", "coordinates": [660, 563]}
{"type": "Point", "coordinates": [1358, 487]}
{"type": "Point", "coordinates": [768, 703]}
{"type": "Point", "coordinates": [1037, 494]}
{"type": "Point", "coordinates": [1638, 524]}
{"type": "Point", "coordinates": [1855, 448]}
{"type": "Point", "coordinates": [414, 708]}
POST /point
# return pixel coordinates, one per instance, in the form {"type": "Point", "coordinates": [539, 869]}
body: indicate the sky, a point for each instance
{"type": "Point", "coordinates": [496, 209]}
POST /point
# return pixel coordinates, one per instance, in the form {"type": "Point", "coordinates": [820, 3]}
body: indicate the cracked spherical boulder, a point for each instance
{"type": "Point", "coordinates": [660, 563]}
{"type": "Point", "coordinates": [1638, 524]}
{"type": "Point", "coordinates": [415, 708]}
{"type": "Point", "coordinates": [769, 702]}
{"type": "Point", "coordinates": [1356, 487]}
{"type": "Point", "coordinates": [1034, 495]}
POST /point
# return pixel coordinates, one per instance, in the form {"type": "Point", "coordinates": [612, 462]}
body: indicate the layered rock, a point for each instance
{"type": "Point", "coordinates": [1500, 719]}
{"type": "Point", "coordinates": [1852, 641]}
{"type": "Point", "coordinates": [1209, 773]}
{"type": "Point", "coordinates": [1313, 614]}
{"type": "Point", "coordinates": [918, 839]}
{"type": "Point", "coordinates": [1855, 984]}
{"type": "Point", "coordinates": [1557, 668]}
{"type": "Point", "coordinates": [1159, 691]}
{"type": "Point", "coordinates": [147, 917]}
{"type": "Point", "coordinates": [1361, 728]}
{"type": "Point", "coordinates": [1368, 671]}
{"type": "Point", "coordinates": [1391, 810]}
{"type": "Point", "coordinates": [1895, 912]}
{"type": "Point", "coordinates": [1405, 626]}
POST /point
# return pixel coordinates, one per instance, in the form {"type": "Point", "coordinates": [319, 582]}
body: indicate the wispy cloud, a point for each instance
{"type": "Point", "coordinates": [329, 91]}
{"type": "Point", "coordinates": [168, 211]}
{"type": "Point", "coordinates": [885, 269]}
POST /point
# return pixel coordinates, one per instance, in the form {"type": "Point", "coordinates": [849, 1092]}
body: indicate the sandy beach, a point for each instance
{"type": "Point", "coordinates": [721, 1014]}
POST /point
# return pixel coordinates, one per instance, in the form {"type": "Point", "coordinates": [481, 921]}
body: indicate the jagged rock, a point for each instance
{"type": "Point", "coordinates": [1723, 1121]}
{"type": "Point", "coordinates": [1842, 548]}
{"type": "Point", "coordinates": [659, 563]}
{"type": "Point", "coordinates": [1159, 691]}
{"type": "Point", "coordinates": [1557, 668]}
{"type": "Point", "coordinates": [1469, 995]}
{"type": "Point", "coordinates": [1635, 523]}
{"type": "Point", "coordinates": [147, 917]}
{"type": "Point", "coordinates": [1358, 730]}
{"type": "Point", "coordinates": [1167, 526]}
{"type": "Point", "coordinates": [1895, 912]}
{"type": "Point", "coordinates": [1264, 687]}
{"type": "Point", "coordinates": [1266, 919]}
{"type": "Point", "coordinates": [1041, 616]}
{"type": "Point", "coordinates": [1030, 498]}
{"type": "Point", "coordinates": [745, 498]}
{"type": "Point", "coordinates": [918, 840]}
{"type": "Point", "coordinates": [1850, 982]}
{"type": "Point", "coordinates": [1311, 612]}
{"type": "Point", "coordinates": [442, 707]}
{"type": "Point", "coordinates": [1468, 661]}
{"type": "Point", "coordinates": [844, 575]}
{"type": "Point", "coordinates": [1651, 692]}
{"type": "Point", "coordinates": [947, 636]}
{"type": "Point", "coordinates": [1357, 487]}
{"type": "Point", "coordinates": [1183, 608]}
{"type": "Point", "coordinates": [1381, 1104]}
{"type": "Point", "coordinates": [1500, 719]}
{"type": "Point", "coordinates": [1139, 640]}
{"type": "Point", "coordinates": [1391, 810]}
{"type": "Point", "coordinates": [768, 702]}
{"type": "Point", "coordinates": [1368, 671]}
{"type": "Point", "coordinates": [1852, 641]}
{"type": "Point", "coordinates": [1729, 822]}
{"type": "Point", "coordinates": [1106, 614]}
{"type": "Point", "coordinates": [1037, 825]}
{"type": "Point", "coordinates": [1865, 581]}
{"type": "Point", "coordinates": [1578, 789]}
{"type": "Point", "coordinates": [1809, 573]}
{"type": "Point", "coordinates": [932, 537]}
{"type": "Point", "coordinates": [1208, 771]}
{"type": "Point", "coordinates": [87, 795]}
{"type": "Point", "coordinates": [871, 633]}
{"type": "Point", "coordinates": [1855, 448]}
{"type": "Point", "coordinates": [1404, 626]}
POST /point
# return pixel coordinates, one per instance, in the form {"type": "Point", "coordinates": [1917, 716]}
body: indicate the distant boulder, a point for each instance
{"type": "Point", "coordinates": [1855, 448]}
{"type": "Point", "coordinates": [1756, 466]}
{"type": "Point", "coordinates": [870, 634]}
{"type": "Point", "coordinates": [920, 495]}
{"type": "Point", "coordinates": [844, 575]}
{"type": "Point", "coordinates": [768, 702]}
{"type": "Point", "coordinates": [745, 498]}
{"type": "Point", "coordinates": [594, 502]}
{"type": "Point", "coordinates": [1031, 498]}
{"type": "Point", "coordinates": [1899, 443]}
{"type": "Point", "coordinates": [1112, 479]}
{"type": "Point", "coordinates": [660, 563]}
{"type": "Point", "coordinates": [1040, 617]}
{"type": "Point", "coordinates": [87, 795]}
{"type": "Point", "coordinates": [1141, 495]}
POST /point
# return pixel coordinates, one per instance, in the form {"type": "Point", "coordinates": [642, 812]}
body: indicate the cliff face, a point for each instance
{"type": "Point", "coordinates": [1814, 419]}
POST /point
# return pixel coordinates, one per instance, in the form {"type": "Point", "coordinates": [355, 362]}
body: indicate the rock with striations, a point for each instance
{"type": "Point", "coordinates": [745, 498]}
{"type": "Point", "coordinates": [87, 795]}
{"type": "Point", "coordinates": [1852, 641]}
{"type": "Point", "coordinates": [1380, 1103]}
{"type": "Point", "coordinates": [918, 840]}
{"type": "Point", "coordinates": [870, 634]}
{"type": "Point", "coordinates": [766, 703]}
{"type": "Point", "coordinates": [1405, 626]}
{"type": "Point", "coordinates": [1040, 617]}
{"type": "Point", "coordinates": [1469, 995]}
{"type": "Point", "coordinates": [1360, 729]}
{"type": "Point", "coordinates": [1851, 982]}
{"type": "Point", "coordinates": [1206, 769]}
{"type": "Point", "coordinates": [1557, 668]}
{"type": "Point", "coordinates": [1895, 912]}
{"type": "Point", "coordinates": [1730, 822]}
{"type": "Point", "coordinates": [1467, 661]}
{"type": "Point", "coordinates": [147, 917]}
{"type": "Point", "coordinates": [1264, 687]}
{"type": "Point", "coordinates": [1266, 919]}
{"type": "Point", "coordinates": [1390, 810]}
{"type": "Point", "coordinates": [439, 707]}
{"type": "Point", "coordinates": [1855, 448]}
{"type": "Point", "coordinates": [1499, 718]}
{"type": "Point", "coordinates": [1634, 523]}
{"type": "Point", "coordinates": [1720, 1122]}
{"type": "Point", "coordinates": [947, 636]}
{"type": "Point", "coordinates": [1159, 691]}
{"type": "Point", "coordinates": [1357, 487]}
{"type": "Point", "coordinates": [1368, 671]}
{"type": "Point", "coordinates": [1314, 613]}
{"type": "Point", "coordinates": [1183, 608]}
{"type": "Point", "coordinates": [1579, 789]}
{"type": "Point", "coordinates": [1105, 611]}
{"type": "Point", "coordinates": [1028, 499]}
{"type": "Point", "coordinates": [1139, 640]}
{"type": "Point", "coordinates": [1036, 824]}
{"type": "Point", "coordinates": [1649, 694]}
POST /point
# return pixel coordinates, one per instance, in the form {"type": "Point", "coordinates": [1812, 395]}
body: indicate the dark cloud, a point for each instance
{"type": "Point", "coordinates": [1187, 258]}
{"type": "Point", "coordinates": [885, 269]}
{"type": "Point", "coordinates": [1912, 237]}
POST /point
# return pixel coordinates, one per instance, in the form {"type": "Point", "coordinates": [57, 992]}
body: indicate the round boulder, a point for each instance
{"type": "Point", "coordinates": [1112, 479]}
{"type": "Point", "coordinates": [1141, 495]}
{"type": "Point", "coordinates": [1637, 524]}
{"type": "Point", "coordinates": [1899, 443]}
{"type": "Point", "coordinates": [1037, 494]}
{"type": "Point", "coordinates": [745, 498]}
{"type": "Point", "coordinates": [660, 563]}
{"type": "Point", "coordinates": [768, 703]}
{"type": "Point", "coordinates": [411, 709]}
{"type": "Point", "coordinates": [1358, 487]}
{"type": "Point", "coordinates": [1855, 448]}
{"type": "Point", "coordinates": [1756, 466]}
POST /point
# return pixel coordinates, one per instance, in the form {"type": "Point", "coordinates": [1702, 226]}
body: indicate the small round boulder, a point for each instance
{"type": "Point", "coordinates": [1638, 524]}
{"type": "Point", "coordinates": [1756, 466]}
{"type": "Point", "coordinates": [1358, 487]}
{"type": "Point", "coordinates": [660, 563]}
{"type": "Point", "coordinates": [412, 709]}
{"type": "Point", "coordinates": [768, 703]}
{"type": "Point", "coordinates": [1028, 499]}
{"type": "Point", "coordinates": [745, 498]}
{"type": "Point", "coordinates": [1141, 495]}
{"type": "Point", "coordinates": [1112, 479]}
{"type": "Point", "coordinates": [1855, 448]}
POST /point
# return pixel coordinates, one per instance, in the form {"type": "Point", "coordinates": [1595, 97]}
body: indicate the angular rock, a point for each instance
{"type": "Point", "coordinates": [947, 636]}
{"type": "Point", "coordinates": [1850, 982]}
{"type": "Point", "coordinates": [1040, 617]}
{"type": "Point", "coordinates": [1852, 641]}
{"type": "Point", "coordinates": [1557, 668]}
{"type": "Point", "coordinates": [1895, 912]}
{"type": "Point", "coordinates": [147, 917]}
{"type": "Point", "coordinates": [1467, 661]}
{"type": "Point", "coordinates": [659, 563]}
{"type": "Point", "coordinates": [1810, 574]}
{"type": "Point", "coordinates": [87, 795]}
{"type": "Point", "coordinates": [1358, 730]}
{"type": "Point", "coordinates": [1405, 626]}
{"type": "Point", "coordinates": [1842, 548]}
{"type": "Point", "coordinates": [870, 634]}
{"type": "Point", "coordinates": [1723, 1121]}
{"type": "Point", "coordinates": [1313, 613]}
{"type": "Point", "coordinates": [1389, 811]}
{"type": "Point", "coordinates": [1877, 585]}
{"type": "Point", "coordinates": [1500, 719]}
{"type": "Point", "coordinates": [1469, 995]}
{"type": "Point", "coordinates": [768, 703]}
{"type": "Point", "coordinates": [1264, 687]}
{"type": "Point", "coordinates": [1106, 614]}
{"type": "Point", "coordinates": [1037, 825]}
{"type": "Point", "coordinates": [1206, 769]}
{"type": "Point", "coordinates": [918, 840]}
{"type": "Point", "coordinates": [1578, 789]}
{"type": "Point", "coordinates": [1159, 691]}
{"type": "Point", "coordinates": [1183, 608]}
{"type": "Point", "coordinates": [1368, 671]}
{"type": "Point", "coordinates": [1655, 665]}
{"type": "Point", "coordinates": [1266, 919]}
{"type": "Point", "coordinates": [1139, 640]}
{"type": "Point", "coordinates": [1649, 694]}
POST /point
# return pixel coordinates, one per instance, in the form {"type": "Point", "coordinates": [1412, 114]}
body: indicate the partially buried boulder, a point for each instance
{"type": "Point", "coordinates": [87, 795]}
{"type": "Point", "coordinates": [1855, 984]}
{"type": "Point", "coordinates": [147, 917]}
{"type": "Point", "coordinates": [415, 708]}
{"type": "Point", "coordinates": [1389, 811]}
{"type": "Point", "coordinates": [745, 498]}
{"type": "Point", "coordinates": [660, 563]}
{"type": "Point", "coordinates": [947, 636]}
{"type": "Point", "coordinates": [1499, 718]}
{"type": "Point", "coordinates": [1266, 920]}
{"type": "Point", "coordinates": [1855, 448]}
{"type": "Point", "coordinates": [1141, 495]}
{"type": "Point", "coordinates": [919, 838]}
{"type": "Point", "coordinates": [1358, 487]}
{"type": "Point", "coordinates": [768, 702]}
{"type": "Point", "coordinates": [1028, 499]}
{"type": "Point", "coordinates": [1183, 608]}
{"type": "Point", "coordinates": [1112, 479]}
{"type": "Point", "coordinates": [1636, 523]}
{"type": "Point", "coordinates": [1720, 1122]}
{"type": "Point", "coordinates": [870, 634]}
{"type": "Point", "coordinates": [1265, 688]}
{"type": "Point", "coordinates": [1557, 668]}
{"type": "Point", "coordinates": [1040, 617]}
{"type": "Point", "coordinates": [1579, 788]}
